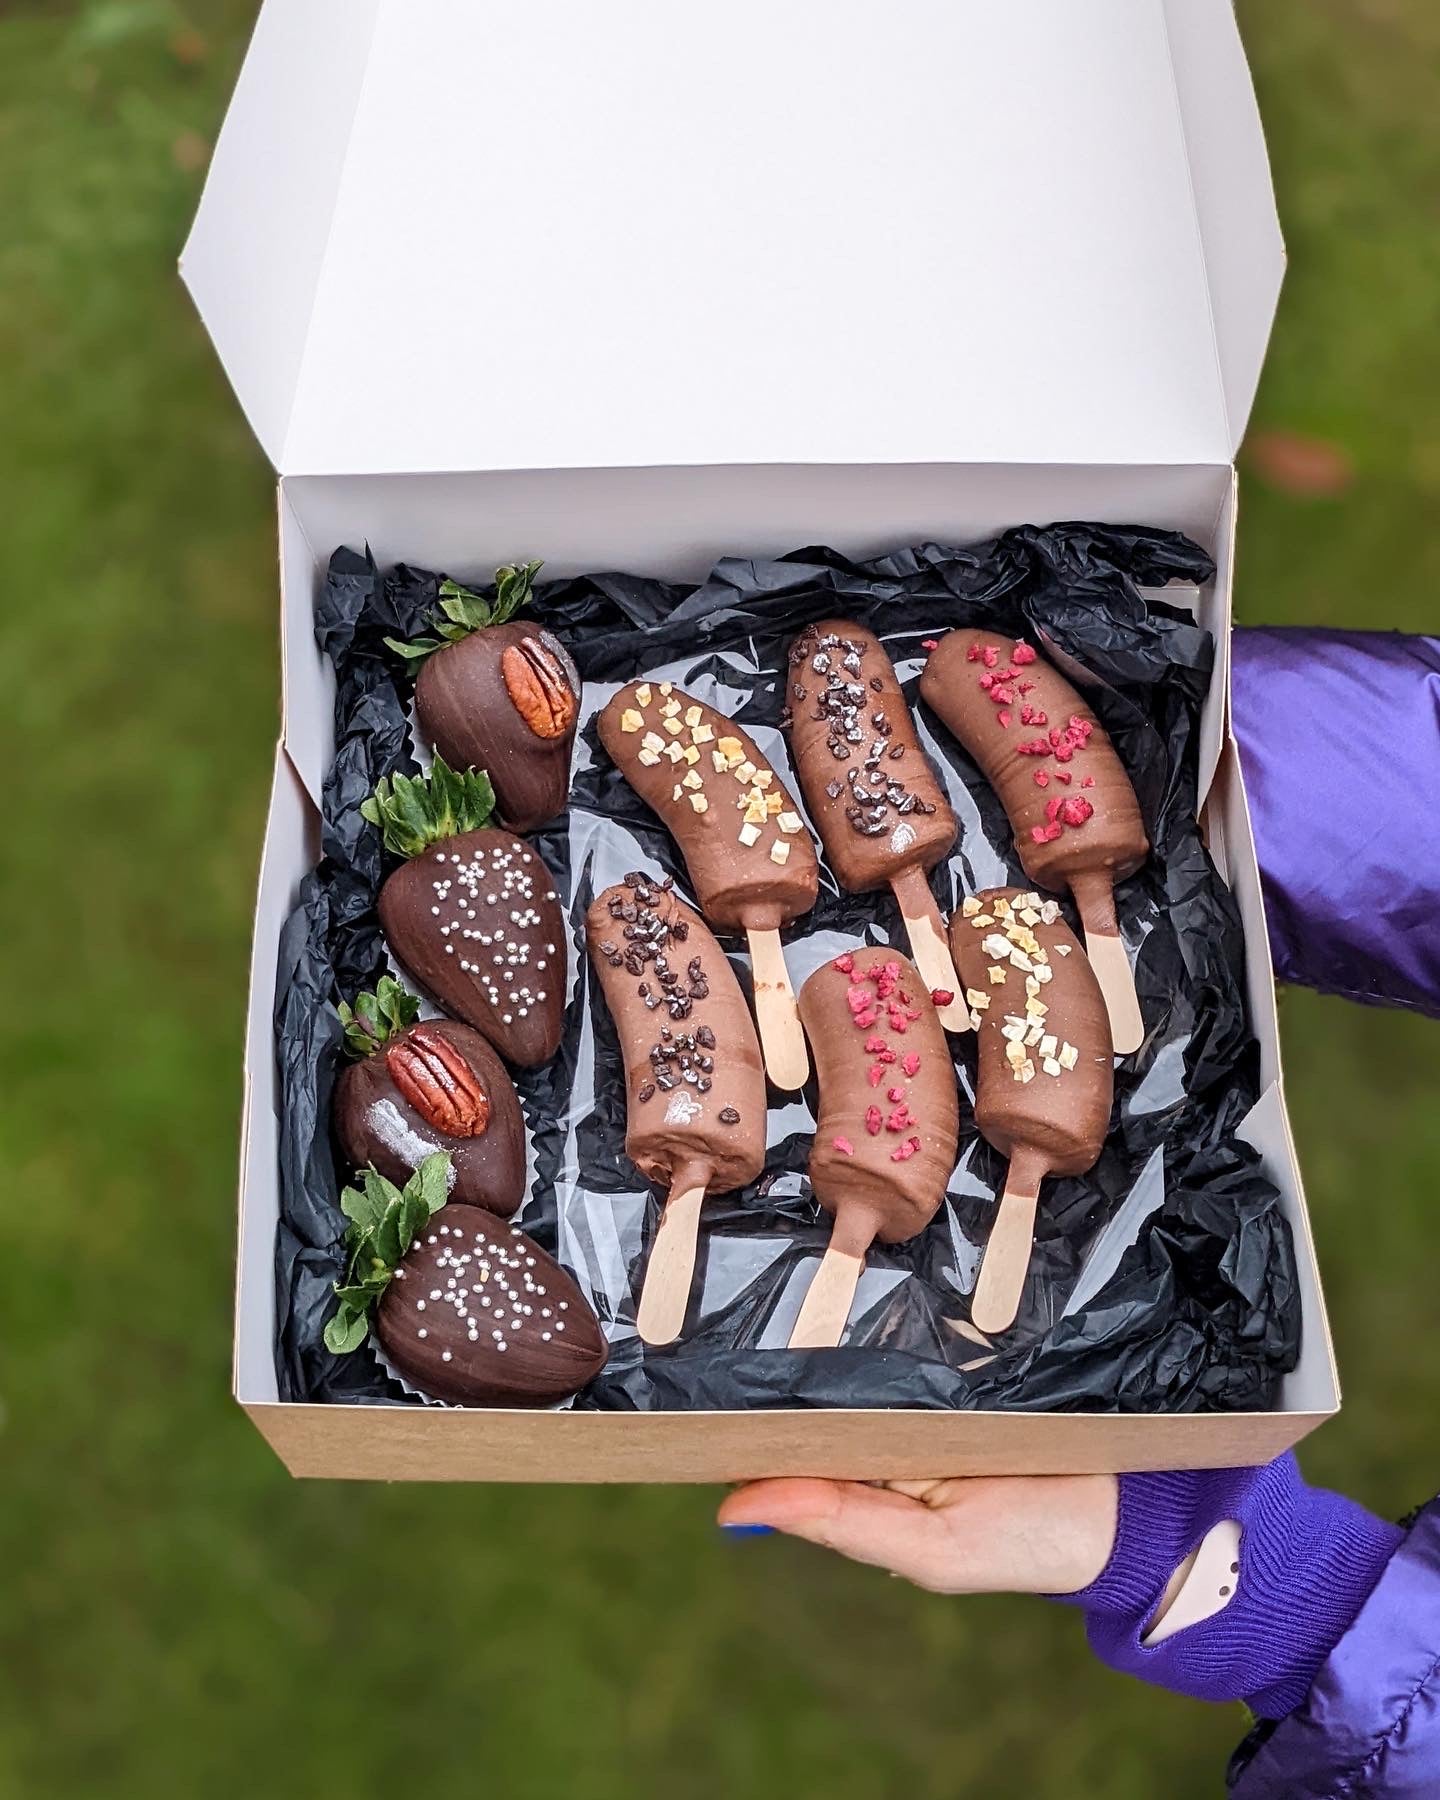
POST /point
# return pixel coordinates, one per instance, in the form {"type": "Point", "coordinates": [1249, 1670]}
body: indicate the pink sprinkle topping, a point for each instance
{"type": "Point", "coordinates": [1087, 781]}
{"type": "Point", "coordinates": [894, 1094]}
{"type": "Point", "coordinates": [973, 653]}
{"type": "Point", "coordinates": [1003, 717]}
{"type": "Point", "coordinates": [874, 1119]}
{"type": "Point", "coordinates": [1045, 834]}
{"type": "Point", "coordinates": [910, 1062]}
{"type": "Point", "coordinates": [938, 997]}
{"type": "Point", "coordinates": [1064, 777]}
{"type": "Point", "coordinates": [1076, 811]}
{"type": "Point", "coordinates": [1001, 694]}
{"type": "Point", "coordinates": [844, 1146]}
{"type": "Point", "coordinates": [1052, 809]}
{"type": "Point", "coordinates": [867, 1018]}
{"type": "Point", "coordinates": [1023, 653]}
{"type": "Point", "coordinates": [990, 656]}
{"type": "Point", "coordinates": [874, 1045]}
{"type": "Point", "coordinates": [877, 1074]}
{"type": "Point", "coordinates": [987, 682]}
{"type": "Point", "coordinates": [845, 964]}
{"type": "Point", "coordinates": [1042, 778]}
{"type": "Point", "coordinates": [929, 644]}
{"type": "Point", "coordinates": [899, 1120]}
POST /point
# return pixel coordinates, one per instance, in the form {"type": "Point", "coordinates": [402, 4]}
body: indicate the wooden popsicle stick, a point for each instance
{"type": "Point", "coordinates": [665, 1292]}
{"type": "Point", "coordinates": [1007, 1255]}
{"type": "Point", "coordinates": [928, 944]}
{"type": "Point", "coordinates": [787, 1058]}
{"type": "Point", "coordinates": [826, 1308]}
{"type": "Point", "coordinates": [1095, 899]}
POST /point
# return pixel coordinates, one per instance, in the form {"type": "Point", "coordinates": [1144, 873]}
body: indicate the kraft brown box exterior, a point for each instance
{"type": "Point", "coordinates": [416, 1443]}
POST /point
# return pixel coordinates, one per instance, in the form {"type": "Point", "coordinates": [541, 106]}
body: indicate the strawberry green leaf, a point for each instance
{"type": "Point", "coordinates": [384, 1223]}
{"type": "Point", "coordinates": [463, 611]}
{"type": "Point", "coordinates": [415, 812]}
{"type": "Point", "coordinates": [347, 1330]}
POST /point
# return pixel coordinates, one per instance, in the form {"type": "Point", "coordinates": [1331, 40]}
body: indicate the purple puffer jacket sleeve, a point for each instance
{"type": "Point", "coordinates": [1369, 1729]}
{"type": "Point", "coordinates": [1339, 735]}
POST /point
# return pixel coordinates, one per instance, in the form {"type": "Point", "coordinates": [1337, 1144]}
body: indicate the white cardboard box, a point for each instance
{"type": "Point", "coordinates": [635, 285]}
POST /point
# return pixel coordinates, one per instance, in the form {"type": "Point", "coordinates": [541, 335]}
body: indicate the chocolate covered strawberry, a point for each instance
{"type": "Point", "coordinates": [466, 1309]}
{"type": "Point", "coordinates": [499, 695]}
{"type": "Point", "coordinates": [474, 915]}
{"type": "Point", "coordinates": [422, 1086]}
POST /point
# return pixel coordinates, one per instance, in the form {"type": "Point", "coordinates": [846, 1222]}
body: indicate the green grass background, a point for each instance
{"type": "Point", "coordinates": [177, 1616]}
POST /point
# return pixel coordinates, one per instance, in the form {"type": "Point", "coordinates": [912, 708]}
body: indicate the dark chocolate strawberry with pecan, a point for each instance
{"type": "Point", "coordinates": [422, 1086]}
{"type": "Point", "coordinates": [501, 696]}
{"type": "Point", "coordinates": [474, 915]}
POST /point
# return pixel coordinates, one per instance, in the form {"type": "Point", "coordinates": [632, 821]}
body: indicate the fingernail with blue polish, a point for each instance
{"type": "Point", "coordinates": [749, 1530]}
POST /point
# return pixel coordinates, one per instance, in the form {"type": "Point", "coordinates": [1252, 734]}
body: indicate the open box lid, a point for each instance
{"type": "Point", "coordinates": [458, 235]}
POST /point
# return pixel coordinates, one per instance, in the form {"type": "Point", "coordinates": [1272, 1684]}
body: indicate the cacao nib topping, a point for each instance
{"type": "Point", "coordinates": [675, 1058]}
{"type": "Point", "coordinates": [729, 1116]}
{"type": "Point", "coordinates": [841, 708]}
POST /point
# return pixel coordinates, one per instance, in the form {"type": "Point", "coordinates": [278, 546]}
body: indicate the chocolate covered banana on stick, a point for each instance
{"type": "Point", "coordinates": [695, 1086]}
{"type": "Point", "coordinates": [1076, 820]}
{"type": "Point", "coordinates": [750, 858]}
{"type": "Point", "coordinates": [1044, 1075]}
{"type": "Point", "coordinates": [887, 1125]}
{"type": "Point", "coordinates": [878, 805]}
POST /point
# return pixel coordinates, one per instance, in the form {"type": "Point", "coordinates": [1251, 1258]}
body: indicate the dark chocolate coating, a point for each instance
{"type": "Point", "coordinates": [465, 710]}
{"type": "Point", "coordinates": [875, 800]}
{"type": "Point", "coordinates": [376, 1124]}
{"type": "Point", "coordinates": [877, 1177]}
{"type": "Point", "coordinates": [739, 886]}
{"type": "Point", "coordinates": [513, 991]}
{"type": "Point", "coordinates": [1064, 1116]}
{"type": "Point", "coordinates": [1112, 842]}
{"type": "Point", "coordinates": [472, 1285]}
{"type": "Point", "coordinates": [695, 1084]}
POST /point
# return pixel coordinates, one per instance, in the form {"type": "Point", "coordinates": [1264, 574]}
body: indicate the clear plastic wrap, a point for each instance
{"type": "Point", "coordinates": [1163, 1280]}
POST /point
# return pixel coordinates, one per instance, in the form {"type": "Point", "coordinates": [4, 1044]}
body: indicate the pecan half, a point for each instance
{"type": "Point", "coordinates": [438, 1082]}
{"type": "Point", "coordinates": [539, 688]}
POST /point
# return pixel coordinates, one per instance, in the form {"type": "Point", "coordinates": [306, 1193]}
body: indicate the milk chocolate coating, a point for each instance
{"type": "Point", "coordinates": [1112, 841]}
{"type": "Point", "coordinates": [887, 1128]}
{"type": "Point", "coordinates": [375, 1123]}
{"type": "Point", "coordinates": [535, 1337]}
{"type": "Point", "coordinates": [739, 886]}
{"type": "Point", "coordinates": [694, 1082]}
{"type": "Point", "coordinates": [465, 709]}
{"type": "Point", "coordinates": [1061, 1113]}
{"type": "Point", "coordinates": [507, 977]}
{"type": "Point", "coordinates": [869, 787]}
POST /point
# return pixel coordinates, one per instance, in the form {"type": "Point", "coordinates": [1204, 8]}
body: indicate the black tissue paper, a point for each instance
{"type": "Point", "coordinates": [1163, 1280]}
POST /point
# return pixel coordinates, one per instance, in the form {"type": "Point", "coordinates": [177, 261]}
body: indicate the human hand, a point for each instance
{"type": "Point", "coordinates": [1043, 1534]}
{"type": "Point", "coordinates": [1119, 1550]}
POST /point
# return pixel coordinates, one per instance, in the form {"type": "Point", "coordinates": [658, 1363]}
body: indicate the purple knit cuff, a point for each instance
{"type": "Point", "coordinates": [1308, 1561]}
